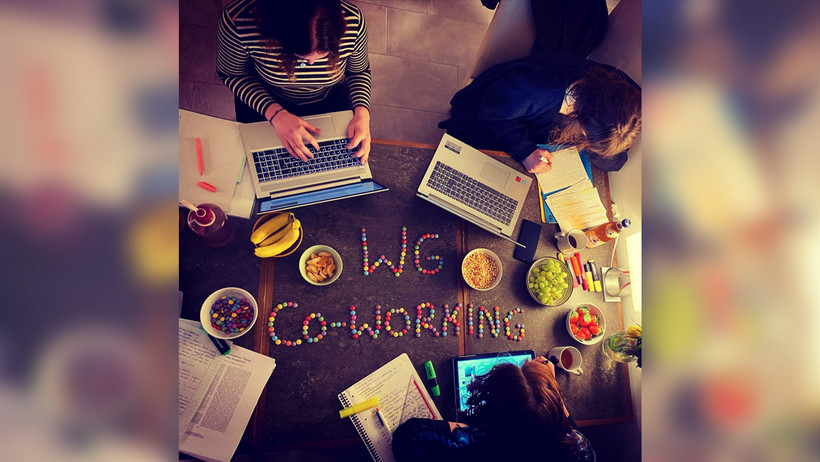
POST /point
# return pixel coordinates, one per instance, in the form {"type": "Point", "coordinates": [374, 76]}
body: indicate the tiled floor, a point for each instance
{"type": "Point", "coordinates": [420, 53]}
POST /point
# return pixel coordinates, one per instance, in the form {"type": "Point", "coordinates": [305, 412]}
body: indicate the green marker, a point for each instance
{"type": "Point", "coordinates": [431, 379]}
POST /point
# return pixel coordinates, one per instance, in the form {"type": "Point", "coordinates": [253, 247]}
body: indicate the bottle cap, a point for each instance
{"type": "Point", "coordinates": [204, 216]}
{"type": "Point", "coordinates": [626, 222]}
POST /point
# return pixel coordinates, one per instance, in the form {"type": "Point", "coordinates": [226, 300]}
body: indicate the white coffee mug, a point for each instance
{"type": "Point", "coordinates": [567, 358]}
{"type": "Point", "coordinates": [571, 242]}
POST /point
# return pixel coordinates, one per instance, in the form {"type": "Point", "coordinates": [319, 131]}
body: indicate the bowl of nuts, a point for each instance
{"type": "Point", "coordinates": [320, 265]}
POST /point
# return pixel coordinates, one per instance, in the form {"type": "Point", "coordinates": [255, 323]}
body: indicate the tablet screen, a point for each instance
{"type": "Point", "coordinates": [467, 368]}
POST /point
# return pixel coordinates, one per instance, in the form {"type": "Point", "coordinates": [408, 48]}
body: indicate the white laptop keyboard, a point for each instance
{"type": "Point", "coordinates": [275, 164]}
{"type": "Point", "coordinates": [472, 193]}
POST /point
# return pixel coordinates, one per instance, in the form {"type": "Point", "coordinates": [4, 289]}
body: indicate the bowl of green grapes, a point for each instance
{"type": "Point", "coordinates": [549, 282]}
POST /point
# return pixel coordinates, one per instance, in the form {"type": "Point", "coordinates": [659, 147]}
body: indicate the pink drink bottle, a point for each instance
{"type": "Point", "coordinates": [211, 224]}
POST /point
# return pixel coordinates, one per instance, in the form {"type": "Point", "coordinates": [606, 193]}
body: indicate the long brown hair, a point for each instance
{"type": "Point", "coordinates": [301, 27]}
{"type": "Point", "coordinates": [524, 401]}
{"type": "Point", "coordinates": [606, 117]}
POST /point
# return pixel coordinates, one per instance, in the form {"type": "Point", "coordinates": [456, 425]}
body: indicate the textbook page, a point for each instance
{"type": "Point", "coordinates": [567, 170]}
{"type": "Point", "coordinates": [219, 419]}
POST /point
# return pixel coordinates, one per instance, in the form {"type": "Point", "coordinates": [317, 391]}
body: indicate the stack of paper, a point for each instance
{"type": "Point", "coordinates": [569, 194]}
{"type": "Point", "coordinates": [217, 394]}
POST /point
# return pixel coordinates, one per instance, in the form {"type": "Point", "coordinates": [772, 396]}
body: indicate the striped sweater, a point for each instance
{"type": "Point", "coordinates": [251, 70]}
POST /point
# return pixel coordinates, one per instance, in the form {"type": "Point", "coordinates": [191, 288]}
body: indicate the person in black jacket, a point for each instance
{"type": "Point", "coordinates": [551, 98]}
{"type": "Point", "coordinates": [515, 413]}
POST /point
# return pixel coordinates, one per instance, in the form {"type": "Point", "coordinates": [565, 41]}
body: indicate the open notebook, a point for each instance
{"type": "Point", "coordinates": [402, 395]}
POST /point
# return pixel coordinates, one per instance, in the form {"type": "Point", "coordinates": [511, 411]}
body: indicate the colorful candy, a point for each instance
{"type": "Point", "coordinates": [368, 268]}
{"type": "Point", "coordinates": [231, 315]}
{"type": "Point", "coordinates": [480, 270]}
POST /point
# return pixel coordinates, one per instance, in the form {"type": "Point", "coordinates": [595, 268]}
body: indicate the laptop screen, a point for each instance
{"type": "Point", "coordinates": [466, 368]}
{"type": "Point", "coordinates": [315, 197]}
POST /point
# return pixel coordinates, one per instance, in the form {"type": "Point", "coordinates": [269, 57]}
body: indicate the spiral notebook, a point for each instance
{"type": "Point", "coordinates": [402, 396]}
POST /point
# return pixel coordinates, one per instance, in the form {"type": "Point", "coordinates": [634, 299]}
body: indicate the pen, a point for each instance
{"type": "Point", "coordinates": [357, 408]}
{"type": "Point", "coordinates": [383, 420]}
{"type": "Point", "coordinates": [580, 270]}
{"type": "Point", "coordinates": [207, 186]}
{"type": "Point", "coordinates": [595, 278]}
{"type": "Point", "coordinates": [588, 284]}
{"type": "Point", "coordinates": [221, 345]}
{"type": "Point", "coordinates": [576, 270]}
{"type": "Point", "coordinates": [431, 379]}
{"type": "Point", "coordinates": [199, 162]}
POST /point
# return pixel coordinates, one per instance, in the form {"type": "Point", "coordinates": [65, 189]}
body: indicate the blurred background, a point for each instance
{"type": "Point", "coordinates": [88, 186]}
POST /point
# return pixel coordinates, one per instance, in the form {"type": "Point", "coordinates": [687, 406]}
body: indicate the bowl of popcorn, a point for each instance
{"type": "Point", "coordinates": [320, 265]}
{"type": "Point", "coordinates": [481, 269]}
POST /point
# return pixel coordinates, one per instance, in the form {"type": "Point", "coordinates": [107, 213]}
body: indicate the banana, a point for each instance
{"type": "Point", "coordinates": [271, 226]}
{"type": "Point", "coordinates": [281, 233]}
{"type": "Point", "coordinates": [279, 246]}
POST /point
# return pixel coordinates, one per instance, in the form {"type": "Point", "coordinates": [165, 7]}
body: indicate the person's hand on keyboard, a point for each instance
{"type": "Point", "coordinates": [358, 130]}
{"type": "Point", "coordinates": [293, 131]}
{"type": "Point", "coordinates": [540, 161]}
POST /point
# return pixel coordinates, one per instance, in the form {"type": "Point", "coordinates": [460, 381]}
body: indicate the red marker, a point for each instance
{"type": "Point", "coordinates": [199, 161]}
{"type": "Point", "coordinates": [207, 186]}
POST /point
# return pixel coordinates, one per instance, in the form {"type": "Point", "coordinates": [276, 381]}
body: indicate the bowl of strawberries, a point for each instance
{"type": "Point", "coordinates": [586, 324]}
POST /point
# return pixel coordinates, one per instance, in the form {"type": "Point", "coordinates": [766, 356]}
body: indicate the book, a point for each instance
{"type": "Point", "coordinates": [402, 396]}
{"type": "Point", "coordinates": [217, 394]}
{"type": "Point", "coordinates": [569, 167]}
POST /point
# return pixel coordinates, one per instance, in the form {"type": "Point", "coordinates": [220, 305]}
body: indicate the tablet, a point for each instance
{"type": "Point", "coordinates": [465, 368]}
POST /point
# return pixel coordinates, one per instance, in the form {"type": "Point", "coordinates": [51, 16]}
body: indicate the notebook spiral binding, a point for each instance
{"type": "Point", "coordinates": [357, 423]}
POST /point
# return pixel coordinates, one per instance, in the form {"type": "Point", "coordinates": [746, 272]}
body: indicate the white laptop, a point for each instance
{"type": "Point", "coordinates": [476, 187]}
{"type": "Point", "coordinates": [283, 182]}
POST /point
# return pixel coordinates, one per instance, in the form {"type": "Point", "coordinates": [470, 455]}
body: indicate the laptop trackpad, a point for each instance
{"type": "Point", "coordinates": [494, 175]}
{"type": "Point", "coordinates": [325, 124]}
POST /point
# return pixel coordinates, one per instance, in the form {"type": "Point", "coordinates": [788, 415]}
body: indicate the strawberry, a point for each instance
{"type": "Point", "coordinates": [585, 320]}
{"type": "Point", "coordinates": [573, 318]}
{"type": "Point", "coordinates": [594, 321]}
{"type": "Point", "coordinates": [583, 310]}
{"type": "Point", "coordinates": [580, 335]}
{"type": "Point", "coordinates": [594, 330]}
{"type": "Point", "coordinates": [586, 333]}
{"type": "Point", "coordinates": [574, 328]}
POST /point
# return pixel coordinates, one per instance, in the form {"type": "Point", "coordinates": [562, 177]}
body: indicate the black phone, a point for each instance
{"type": "Point", "coordinates": [528, 236]}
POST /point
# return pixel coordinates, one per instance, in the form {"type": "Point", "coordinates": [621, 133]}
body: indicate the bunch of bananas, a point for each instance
{"type": "Point", "coordinates": [276, 235]}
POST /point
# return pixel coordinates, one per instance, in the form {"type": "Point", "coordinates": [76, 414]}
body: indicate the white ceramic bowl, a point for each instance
{"type": "Point", "coordinates": [593, 310]}
{"type": "Point", "coordinates": [337, 259]}
{"type": "Point", "coordinates": [205, 312]}
{"type": "Point", "coordinates": [492, 256]}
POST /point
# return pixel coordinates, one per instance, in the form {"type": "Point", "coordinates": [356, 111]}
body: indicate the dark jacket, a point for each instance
{"type": "Point", "coordinates": [514, 106]}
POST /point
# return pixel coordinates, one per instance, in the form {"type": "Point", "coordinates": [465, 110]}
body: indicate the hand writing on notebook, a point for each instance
{"type": "Point", "coordinates": [540, 161]}
{"type": "Point", "coordinates": [293, 131]}
{"type": "Point", "coordinates": [358, 130]}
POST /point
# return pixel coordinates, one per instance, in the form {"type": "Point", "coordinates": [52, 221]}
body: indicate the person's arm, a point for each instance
{"type": "Point", "coordinates": [234, 67]}
{"type": "Point", "coordinates": [357, 75]}
{"type": "Point", "coordinates": [425, 440]}
{"type": "Point", "coordinates": [509, 104]}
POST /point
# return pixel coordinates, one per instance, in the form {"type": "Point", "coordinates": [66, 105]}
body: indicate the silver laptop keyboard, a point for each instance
{"type": "Point", "coordinates": [472, 193]}
{"type": "Point", "coordinates": [275, 164]}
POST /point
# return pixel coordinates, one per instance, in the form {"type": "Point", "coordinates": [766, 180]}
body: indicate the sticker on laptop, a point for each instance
{"type": "Point", "coordinates": [453, 147]}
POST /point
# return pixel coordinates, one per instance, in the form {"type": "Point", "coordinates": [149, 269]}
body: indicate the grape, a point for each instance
{"type": "Point", "coordinates": [549, 282]}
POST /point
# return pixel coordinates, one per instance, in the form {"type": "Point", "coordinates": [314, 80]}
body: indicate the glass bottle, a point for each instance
{"type": "Point", "coordinates": [210, 223]}
{"type": "Point", "coordinates": [605, 232]}
{"type": "Point", "coordinates": [621, 347]}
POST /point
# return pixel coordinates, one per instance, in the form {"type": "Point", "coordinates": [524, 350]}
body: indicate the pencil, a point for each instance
{"type": "Point", "coordinates": [432, 414]}
{"type": "Point", "coordinates": [541, 200]}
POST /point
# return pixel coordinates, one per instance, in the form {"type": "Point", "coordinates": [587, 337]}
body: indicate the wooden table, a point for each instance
{"type": "Point", "coordinates": [298, 407]}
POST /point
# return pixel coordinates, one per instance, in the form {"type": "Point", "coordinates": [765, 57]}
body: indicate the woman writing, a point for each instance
{"type": "Point", "coordinates": [551, 98]}
{"type": "Point", "coordinates": [285, 59]}
{"type": "Point", "coordinates": [513, 412]}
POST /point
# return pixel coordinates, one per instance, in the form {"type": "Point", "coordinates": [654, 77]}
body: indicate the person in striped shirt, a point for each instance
{"type": "Point", "coordinates": [286, 59]}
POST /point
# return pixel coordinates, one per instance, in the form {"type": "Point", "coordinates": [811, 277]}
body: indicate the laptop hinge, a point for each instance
{"type": "Point", "coordinates": [316, 187]}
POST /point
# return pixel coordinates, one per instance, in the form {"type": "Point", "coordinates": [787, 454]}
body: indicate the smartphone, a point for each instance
{"type": "Point", "coordinates": [528, 236]}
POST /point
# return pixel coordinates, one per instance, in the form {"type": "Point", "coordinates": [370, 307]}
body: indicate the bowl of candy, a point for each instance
{"type": "Point", "coordinates": [586, 324]}
{"type": "Point", "coordinates": [481, 269]}
{"type": "Point", "coordinates": [228, 313]}
{"type": "Point", "coordinates": [549, 282]}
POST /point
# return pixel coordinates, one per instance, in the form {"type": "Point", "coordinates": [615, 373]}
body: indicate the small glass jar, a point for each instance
{"type": "Point", "coordinates": [622, 348]}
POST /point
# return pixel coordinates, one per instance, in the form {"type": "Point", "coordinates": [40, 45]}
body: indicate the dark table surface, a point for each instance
{"type": "Point", "coordinates": [299, 406]}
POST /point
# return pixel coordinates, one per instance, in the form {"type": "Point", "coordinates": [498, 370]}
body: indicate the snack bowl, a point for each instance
{"type": "Point", "coordinates": [315, 250]}
{"type": "Point", "coordinates": [543, 267]}
{"type": "Point", "coordinates": [481, 269]}
{"type": "Point", "coordinates": [597, 318]}
{"type": "Point", "coordinates": [242, 327]}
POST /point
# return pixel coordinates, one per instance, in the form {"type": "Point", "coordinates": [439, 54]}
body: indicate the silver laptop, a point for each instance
{"type": "Point", "coordinates": [476, 187]}
{"type": "Point", "coordinates": [283, 182]}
